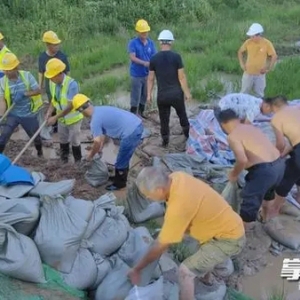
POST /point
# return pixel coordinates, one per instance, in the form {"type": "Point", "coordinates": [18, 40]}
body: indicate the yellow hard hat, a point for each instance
{"type": "Point", "coordinates": [51, 37]}
{"type": "Point", "coordinates": [1, 36]}
{"type": "Point", "coordinates": [142, 26]}
{"type": "Point", "coordinates": [9, 62]}
{"type": "Point", "coordinates": [79, 100]}
{"type": "Point", "coordinates": [54, 67]}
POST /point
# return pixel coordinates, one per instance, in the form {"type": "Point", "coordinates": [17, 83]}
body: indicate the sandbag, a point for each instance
{"type": "Point", "coordinates": [152, 291]}
{"type": "Point", "coordinates": [133, 250]}
{"type": "Point", "coordinates": [103, 268]}
{"type": "Point", "coordinates": [224, 269]}
{"type": "Point", "coordinates": [21, 190]}
{"type": "Point", "coordinates": [116, 285]}
{"type": "Point", "coordinates": [171, 290]}
{"type": "Point", "coordinates": [97, 174]}
{"type": "Point", "coordinates": [290, 209]}
{"type": "Point", "coordinates": [285, 230]}
{"type": "Point", "coordinates": [111, 234]}
{"type": "Point", "coordinates": [139, 208]}
{"type": "Point", "coordinates": [63, 187]}
{"type": "Point", "coordinates": [84, 271]}
{"type": "Point", "coordinates": [19, 257]}
{"type": "Point", "coordinates": [59, 233]}
{"type": "Point", "coordinates": [22, 213]}
{"type": "Point", "coordinates": [231, 194]}
{"type": "Point", "coordinates": [217, 291]}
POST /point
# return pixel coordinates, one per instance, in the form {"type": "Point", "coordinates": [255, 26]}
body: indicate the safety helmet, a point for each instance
{"type": "Point", "coordinates": [255, 29]}
{"type": "Point", "coordinates": [51, 37]}
{"type": "Point", "coordinates": [9, 62]}
{"type": "Point", "coordinates": [79, 100]}
{"type": "Point", "coordinates": [166, 35]}
{"type": "Point", "coordinates": [142, 26]}
{"type": "Point", "coordinates": [1, 36]}
{"type": "Point", "coordinates": [54, 67]}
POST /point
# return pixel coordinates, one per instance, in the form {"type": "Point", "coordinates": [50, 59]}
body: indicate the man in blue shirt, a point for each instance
{"type": "Point", "coordinates": [20, 93]}
{"type": "Point", "coordinates": [140, 50]}
{"type": "Point", "coordinates": [115, 123]}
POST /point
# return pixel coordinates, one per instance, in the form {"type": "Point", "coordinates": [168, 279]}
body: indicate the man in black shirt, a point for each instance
{"type": "Point", "coordinates": [172, 85]}
{"type": "Point", "coordinates": [52, 51]}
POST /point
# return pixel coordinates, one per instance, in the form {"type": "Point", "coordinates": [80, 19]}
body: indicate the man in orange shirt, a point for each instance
{"type": "Point", "coordinates": [193, 207]}
{"type": "Point", "coordinates": [255, 68]}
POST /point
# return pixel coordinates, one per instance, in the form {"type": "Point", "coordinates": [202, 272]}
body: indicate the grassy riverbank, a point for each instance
{"type": "Point", "coordinates": [208, 34]}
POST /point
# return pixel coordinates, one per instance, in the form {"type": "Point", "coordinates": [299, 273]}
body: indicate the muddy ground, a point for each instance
{"type": "Point", "coordinates": [249, 262]}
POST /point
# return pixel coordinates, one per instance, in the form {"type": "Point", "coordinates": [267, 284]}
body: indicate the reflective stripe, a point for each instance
{"type": "Point", "coordinates": [62, 103]}
{"type": "Point", "coordinates": [36, 101]}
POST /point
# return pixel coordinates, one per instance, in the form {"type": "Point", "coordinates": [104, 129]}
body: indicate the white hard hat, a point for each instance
{"type": "Point", "coordinates": [166, 35]}
{"type": "Point", "coordinates": [254, 29]}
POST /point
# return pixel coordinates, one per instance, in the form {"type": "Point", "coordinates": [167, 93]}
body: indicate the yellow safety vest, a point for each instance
{"type": "Point", "coordinates": [36, 101]}
{"type": "Point", "coordinates": [3, 51]}
{"type": "Point", "coordinates": [62, 103]}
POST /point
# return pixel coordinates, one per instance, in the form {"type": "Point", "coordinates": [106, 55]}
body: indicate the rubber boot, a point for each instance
{"type": "Point", "coordinates": [186, 131]}
{"type": "Point", "coordinates": [119, 181]}
{"type": "Point", "coordinates": [141, 110]}
{"type": "Point", "coordinates": [64, 152]}
{"type": "Point", "coordinates": [133, 109]}
{"type": "Point", "coordinates": [76, 150]}
{"type": "Point", "coordinates": [39, 150]}
{"type": "Point", "coordinates": [165, 142]}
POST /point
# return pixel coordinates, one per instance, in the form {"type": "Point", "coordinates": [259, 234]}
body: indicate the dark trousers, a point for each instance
{"type": "Point", "coordinates": [29, 124]}
{"type": "Point", "coordinates": [164, 105]}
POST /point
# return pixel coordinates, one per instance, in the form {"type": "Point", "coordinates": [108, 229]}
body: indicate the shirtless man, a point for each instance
{"type": "Point", "coordinates": [286, 123]}
{"type": "Point", "coordinates": [255, 153]}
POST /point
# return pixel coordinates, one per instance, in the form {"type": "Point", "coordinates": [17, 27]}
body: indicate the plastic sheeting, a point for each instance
{"type": "Point", "coordinates": [97, 174]}
{"type": "Point", "coordinates": [231, 194]}
{"type": "Point", "coordinates": [139, 208]}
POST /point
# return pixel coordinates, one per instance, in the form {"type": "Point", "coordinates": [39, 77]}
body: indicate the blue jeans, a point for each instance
{"type": "Point", "coordinates": [138, 91]}
{"type": "Point", "coordinates": [29, 124]}
{"type": "Point", "coordinates": [127, 148]}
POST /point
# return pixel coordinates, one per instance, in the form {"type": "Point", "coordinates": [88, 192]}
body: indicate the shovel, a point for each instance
{"type": "Point", "coordinates": [7, 112]}
{"type": "Point", "coordinates": [29, 142]}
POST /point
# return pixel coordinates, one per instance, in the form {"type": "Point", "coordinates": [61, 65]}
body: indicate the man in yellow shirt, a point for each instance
{"type": "Point", "coordinates": [193, 207]}
{"type": "Point", "coordinates": [258, 50]}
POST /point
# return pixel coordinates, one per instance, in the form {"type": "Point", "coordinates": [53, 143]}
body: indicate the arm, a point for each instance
{"type": "Point", "coordinates": [183, 83]}
{"type": "Point", "coordinates": [41, 67]}
{"type": "Point", "coordinates": [241, 52]}
{"type": "Point", "coordinates": [150, 84]}
{"type": "Point", "coordinates": [280, 143]}
{"type": "Point", "coordinates": [240, 156]}
{"type": "Point", "coordinates": [41, 80]}
{"type": "Point", "coordinates": [50, 111]}
{"type": "Point", "coordinates": [97, 146]}
{"type": "Point", "coordinates": [3, 106]}
{"type": "Point", "coordinates": [132, 55]}
{"type": "Point", "coordinates": [34, 87]}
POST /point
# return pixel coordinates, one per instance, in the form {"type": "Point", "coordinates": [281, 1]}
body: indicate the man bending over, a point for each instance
{"type": "Point", "coordinates": [255, 153]}
{"type": "Point", "coordinates": [193, 207]}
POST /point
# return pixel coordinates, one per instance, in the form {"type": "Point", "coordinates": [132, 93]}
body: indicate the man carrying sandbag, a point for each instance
{"type": "Point", "coordinates": [255, 153]}
{"type": "Point", "coordinates": [193, 207]}
{"type": "Point", "coordinates": [286, 123]}
{"type": "Point", "coordinates": [115, 123]}
{"type": "Point", "coordinates": [63, 88]}
{"type": "Point", "coordinates": [19, 93]}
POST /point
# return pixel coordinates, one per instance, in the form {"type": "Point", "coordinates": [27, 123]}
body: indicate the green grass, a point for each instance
{"type": "Point", "coordinates": [208, 34]}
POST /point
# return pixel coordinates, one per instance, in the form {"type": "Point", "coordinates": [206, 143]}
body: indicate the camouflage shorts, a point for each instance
{"type": "Point", "coordinates": [213, 253]}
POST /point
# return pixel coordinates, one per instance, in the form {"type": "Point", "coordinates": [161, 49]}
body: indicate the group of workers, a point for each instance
{"type": "Point", "coordinates": [193, 207]}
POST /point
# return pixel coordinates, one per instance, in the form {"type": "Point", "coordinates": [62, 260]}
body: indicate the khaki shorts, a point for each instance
{"type": "Point", "coordinates": [212, 254]}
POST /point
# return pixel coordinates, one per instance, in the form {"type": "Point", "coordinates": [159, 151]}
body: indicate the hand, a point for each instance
{"type": "Point", "coordinates": [146, 64]}
{"type": "Point", "coordinates": [232, 177]}
{"type": "Point", "coordinates": [149, 100]}
{"type": "Point", "coordinates": [188, 97]}
{"type": "Point", "coordinates": [134, 276]}
{"type": "Point", "coordinates": [89, 156]}
{"type": "Point", "coordinates": [18, 97]}
{"type": "Point", "coordinates": [264, 71]}
{"type": "Point", "coordinates": [51, 120]}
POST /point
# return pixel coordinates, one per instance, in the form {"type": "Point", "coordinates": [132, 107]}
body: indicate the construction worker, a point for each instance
{"type": "Point", "coordinates": [255, 153]}
{"type": "Point", "coordinates": [193, 208]}
{"type": "Point", "coordinates": [19, 92]}
{"type": "Point", "coordinates": [3, 51]}
{"type": "Point", "coordinates": [140, 50]}
{"type": "Point", "coordinates": [115, 123]}
{"type": "Point", "coordinates": [52, 43]}
{"type": "Point", "coordinates": [286, 123]}
{"type": "Point", "coordinates": [172, 85]}
{"type": "Point", "coordinates": [258, 49]}
{"type": "Point", "coordinates": [63, 89]}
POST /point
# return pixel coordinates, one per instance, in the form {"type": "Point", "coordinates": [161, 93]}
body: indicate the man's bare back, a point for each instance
{"type": "Point", "coordinates": [287, 121]}
{"type": "Point", "coordinates": [258, 148]}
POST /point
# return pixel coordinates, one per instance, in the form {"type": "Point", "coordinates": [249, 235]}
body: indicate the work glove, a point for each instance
{"type": "Point", "coordinates": [18, 97]}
